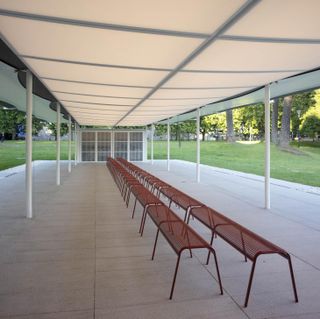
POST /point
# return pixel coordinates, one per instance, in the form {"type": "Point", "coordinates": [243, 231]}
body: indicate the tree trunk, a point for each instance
{"type": "Point", "coordinates": [274, 126]}
{"type": "Point", "coordinates": [285, 122]}
{"type": "Point", "coordinates": [203, 135]}
{"type": "Point", "coordinates": [13, 134]}
{"type": "Point", "coordinates": [230, 131]}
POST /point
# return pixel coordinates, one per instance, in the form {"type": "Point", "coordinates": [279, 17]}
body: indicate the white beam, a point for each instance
{"type": "Point", "coordinates": [69, 144]}
{"type": "Point", "coordinates": [152, 133]}
{"type": "Point", "coordinates": [58, 145]}
{"type": "Point", "coordinates": [168, 146]}
{"type": "Point", "coordinates": [28, 175]}
{"type": "Point", "coordinates": [198, 146]}
{"type": "Point", "coordinates": [267, 148]}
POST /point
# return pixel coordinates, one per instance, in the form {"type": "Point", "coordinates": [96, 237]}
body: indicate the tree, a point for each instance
{"type": "Point", "coordinates": [205, 125]}
{"type": "Point", "coordinates": [230, 131]}
{"type": "Point", "coordinates": [10, 120]}
{"type": "Point", "coordinates": [284, 138]}
{"type": "Point", "coordinates": [274, 124]}
{"type": "Point", "coordinates": [63, 129]}
{"type": "Point", "coordinates": [310, 125]}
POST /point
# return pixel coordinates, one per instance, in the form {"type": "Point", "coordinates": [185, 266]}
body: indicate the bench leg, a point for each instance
{"type": "Point", "coordinates": [250, 283]}
{"type": "Point", "coordinates": [143, 219]}
{"type": "Point", "coordinates": [217, 269]}
{"type": "Point", "coordinates": [211, 241]}
{"type": "Point", "coordinates": [175, 276]}
{"type": "Point", "coordinates": [128, 197]}
{"type": "Point", "coordinates": [134, 208]}
{"type": "Point", "coordinates": [155, 244]}
{"type": "Point", "coordinates": [292, 279]}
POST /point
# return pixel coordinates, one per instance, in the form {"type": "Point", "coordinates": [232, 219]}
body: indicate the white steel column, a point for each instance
{"type": "Point", "coordinates": [96, 146]}
{"type": "Point", "coordinates": [198, 146]}
{"type": "Point", "coordinates": [168, 146]}
{"type": "Point", "coordinates": [69, 144]}
{"type": "Point", "coordinates": [58, 145]}
{"type": "Point", "coordinates": [29, 100]}
{"type": "Point", "coordinates": [79, 144]}
{"type": "Point", "coordinates": [75, 144]}
{"type": "Point", "coordinates": [128, 147]}
{"type": "Point", "coordinates": [267, 148]}
{"type": "Point", "coordinates": [152, 133]}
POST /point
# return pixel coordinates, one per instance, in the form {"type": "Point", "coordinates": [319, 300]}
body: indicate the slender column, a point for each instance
{"type": "Point", "coordinates": [58, 145]}
{"type": "Point", "coordinates": [29, 100]}
{"type": "Point", "coordinates": [152, 133]}
{"type": "Point", "coordinates": [128, 146]}
{"type": "Point", "coordinates": [168, 146]}
{"type": "Point", "coordinates": [69, 145]}
{"type": "Point", "coordinates": [267, 148]}
{"type": "Point", "coordinates": [96, 146]}
{"type": "Point", "coordinates": [75, 144]}
{"type": "Point", "coordinates": [198, 146]}
{"type": "Point", "coordinates": [79, 145]}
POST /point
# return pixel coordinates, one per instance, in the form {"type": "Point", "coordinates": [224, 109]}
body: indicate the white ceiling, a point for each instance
{"type": "Point", "coordinates": [121, 62]}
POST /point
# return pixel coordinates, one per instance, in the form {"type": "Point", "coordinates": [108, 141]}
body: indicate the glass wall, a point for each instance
{"type": "Point", "coordinates": [98, 145]}
{"type": "Point", "coordinates": [136, 146]}
{"type": "Point", "coordinates": [121, 145]}
{"type": "Point", "coordinates": [104, 145]}
{"type": "Point", "coordinates": [88, 150]}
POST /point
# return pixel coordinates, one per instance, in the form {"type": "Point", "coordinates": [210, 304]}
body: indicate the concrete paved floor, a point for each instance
{"type": "Point", "coordinates": [81, 256]}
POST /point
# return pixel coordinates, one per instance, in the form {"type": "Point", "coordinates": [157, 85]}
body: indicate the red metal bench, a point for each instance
{"type": "Point", "coordinates": [180, 237]}
{"type": "Point", "coordinates": [245, 241]}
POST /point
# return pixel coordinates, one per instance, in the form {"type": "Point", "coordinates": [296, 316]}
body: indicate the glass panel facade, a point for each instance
{"type": "Point", "coordinates": [121, 145]}
{"type": "Point", "coordinates": [102, 144]}
{"type": "Point", "coordinates": [136, 146]}
{"type": "Point", "coordinates": [88, 147]}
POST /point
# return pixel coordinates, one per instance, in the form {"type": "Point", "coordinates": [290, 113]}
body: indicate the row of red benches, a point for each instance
{"type": "Point", "coordinates": [148, 189]}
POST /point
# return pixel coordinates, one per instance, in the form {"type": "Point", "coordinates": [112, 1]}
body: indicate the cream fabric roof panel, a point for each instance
{"type": "Point", "coordinates": [96, 106]}
{"type": "Point", "coordinates": [245, 81]}
{"type": "Point", "coordinates": [69, 71]}
{"type": "Point", "coordinates": [281, 19]}
{"type": "Point", "coordinates": [182, 15]}
{"type": "Point", "coordinates": [85, 88]}
{"type": "Point", "coordinates": [94, 99]}
{"type": "Point", "coordinates": [205, 94]}
{"type": "Point", "coordinates": [251, 56]}
{"type": "Point", "coordinates": [182, 104]}
{"type": "Point", "coordinates": [93, 45]}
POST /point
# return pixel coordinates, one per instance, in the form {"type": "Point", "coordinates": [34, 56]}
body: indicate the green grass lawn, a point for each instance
{"type": "Point", "coordinates": [249, 158]}
{"type": "Point", "coordinates": [12, 153]}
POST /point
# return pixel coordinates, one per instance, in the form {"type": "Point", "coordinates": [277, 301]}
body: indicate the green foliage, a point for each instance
{"type": "Point", "coordinates": [302, 102]}
{"type": "Point", "coordinates": [310, 125]}
{"type": "Point", "coordinates": [9, 121]}
{"type": "Point", "coordinates": [63, 129]}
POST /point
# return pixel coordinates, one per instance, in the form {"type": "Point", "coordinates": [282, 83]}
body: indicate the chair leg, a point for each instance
{"type": "Point", "coordinates": [128, 197]}
{"type": "Point", "coordinates": [134, 208]}
{"type": "Point", "coordinates": [155, 244]}
{"type": "Point", "coordinates": [250, 283]}
{"type": "Point", "coordinates": [292, 279]}
{"type": "Point", "coordinates": [211, 241]}
{"type": "Point", "coordinates": [143, 220]}
{"type": "Point", "coordinates": [217, 268]}
{"type": "Point", "coordinates": [175, 276]}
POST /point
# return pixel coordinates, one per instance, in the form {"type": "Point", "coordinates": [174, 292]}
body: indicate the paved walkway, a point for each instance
{"type": "Point", "coordinates": [81, 256]}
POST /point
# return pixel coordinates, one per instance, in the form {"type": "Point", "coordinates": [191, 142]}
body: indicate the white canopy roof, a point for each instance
{"type": "Point", "coordinates": [120, 62]}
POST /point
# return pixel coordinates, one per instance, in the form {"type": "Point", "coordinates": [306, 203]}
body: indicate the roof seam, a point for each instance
{"type": "Point", "coordinates": [226, 25]}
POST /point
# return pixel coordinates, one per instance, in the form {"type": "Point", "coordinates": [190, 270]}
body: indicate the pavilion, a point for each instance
{"type": "Point", "coordinates": [106, 66]}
